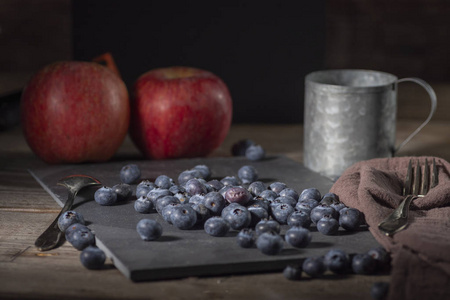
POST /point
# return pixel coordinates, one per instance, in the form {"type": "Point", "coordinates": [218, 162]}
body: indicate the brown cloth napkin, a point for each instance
{"type": "Point", "coordinates": [421, 252]}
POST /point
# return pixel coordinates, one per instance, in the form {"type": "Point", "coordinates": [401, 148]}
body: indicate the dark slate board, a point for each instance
{"type": "Point", "coordinates": [183, 253]}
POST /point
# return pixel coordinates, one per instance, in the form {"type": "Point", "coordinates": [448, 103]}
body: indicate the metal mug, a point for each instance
{"type": "Point", "coordinates": [350, 116]}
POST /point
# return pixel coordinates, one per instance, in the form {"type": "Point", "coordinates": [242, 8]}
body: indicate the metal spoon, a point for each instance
{"type": "Point", "coordinates": [50, 238]}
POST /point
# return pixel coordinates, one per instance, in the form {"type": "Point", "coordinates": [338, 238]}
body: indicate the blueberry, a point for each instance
{"type": "Point", "coordinates": [183, 217]}
{"type": "Point", "coordinates": [238, 218]}
{"type": "Point", "coordinates": [293, 272]}
{"type": "Point", "coordinates": [257, 202]}
{"type": "Point", "coordinates": [203, 213]}
{"type": "Point", "coordinates": [148, 229]}
{"type": "Point", "coordinates": [143, 205]}
{"type": "Point", "coordinates": [328, 225]}
{"type": "Point", "coordinates": [144, 187]}
{"type": "Point", "coordinates": [69, 218]}
{"type": "Point", "coordinates": [176, 189]}
{"type": "Point", "coordinates": [214, 202]}
{"type": "Point", "coordinates": [207, 186]}
{"type": "Point", "coordinates": [382, 258]}
{"type": "Point", "coordinates": [195, 187]}
{"type": "Point", "coordinates": [314, 266]}
{"type": "Point", "coordinates": [156, 193]}
{"type": "Point", "coordinates": [164, 201]}
{"type": "Point", "coordinates": [229, 208]}
{"type": "Point", "coordinates": [74, 227]}
{"type": "Point", "coordinates": [281, 212]}
{"type": "Point", "coordinates": [81, 237]}
{"type": "Point", "coordinates": [123, 191]}
{"type": "Point", "coordinates": [299, 219]}
{"type": "Point", "coordinates": [92, 258]}
{"type": "Point", "coordinates": [246, 238]}
{"type": "Point", "coordinates": [329, 198]}
{"type": "Point", "coordinates": [257, 214]}
{"type": "Point", "coordinates": [224, 189]}
{"type": "Point", "coordinates": [239, 148]}
{"type": "Point", "coordinates": [105, 196]}
{"type": "Point", "coordinates": [267, 226]}
{"type": "Point", "coordinates": [164, 182]}
{"type": "Point", "coordinates": [309, 203]}
{"type": "Point", "coordinates": [204, 171]}
{"type": "Point", "coordinates": [197, 199]}
{"type": "Point", "coordinates": [268, 195]}
{"type": "Point", "coordinates": [364, 264]}
{"type": "Point", "coordinates": [277, 187]}
{"type": "Point", "coordinates": [338, 206]}
{"type": "Point", "coordinates": [255, 153]}
{"type": "Point", "coordinates": [310, 193]}
{"type": "Point", "coordinates": [230, 181]}
{"type": "Point", "coordinates": [215, 184]}
{"type": "Point", "coordinates": [290, 192]}
{"type": "Point", "coordinates": [238, 195]}
{"type": "Point", "coordinates": [298, 237]}
{"type": "Point", "coordinates": [167, 211]}
{"type": "Point", "coordinates": [319, 211]}
{"type": "Point", "coordinates": [379, 290]}
{"type": "Point", "coordinates": [288, 200]}
{"type": "Point", "coordinates": [337, 261]}
{"type": "Point", "coordinates": [130, 174]}
{"type": "Point", "coordinates": [349, 219]}
{"type": "Point", "coordinates": [269, 243]}
{"type": "Point", "coordinates": [248, 174]}
{"type": "Point", "coordinates": [256, 188]}
{"type": "Point", "coordinates": [216, 226]}
{"type": "Point", "coordinates": [185, 176]}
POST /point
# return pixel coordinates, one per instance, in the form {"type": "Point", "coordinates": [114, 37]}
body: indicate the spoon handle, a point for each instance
{"type": "Point", "coordinates": [50, 238]}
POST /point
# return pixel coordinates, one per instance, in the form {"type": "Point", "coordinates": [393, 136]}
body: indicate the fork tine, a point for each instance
{"type": "Point", "coordinates": [434, 175]}
{"type": "Point", "coordinates": [417, 180]}
{"type": "Point", "coordinates": [408, 180]}
{"type": "Point", "coordinates": [426, 178]}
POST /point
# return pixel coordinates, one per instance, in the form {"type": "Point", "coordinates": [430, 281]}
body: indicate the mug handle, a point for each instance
{"type": "Point", "coordinates": [433, 100]}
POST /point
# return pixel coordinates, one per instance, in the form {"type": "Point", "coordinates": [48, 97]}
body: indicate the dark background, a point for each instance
{"type": "Point", "coordinates": [261, 49]}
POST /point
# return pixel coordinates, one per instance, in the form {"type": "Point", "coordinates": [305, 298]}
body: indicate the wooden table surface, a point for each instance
{"type": "Point", "coordinates": [26, 210]}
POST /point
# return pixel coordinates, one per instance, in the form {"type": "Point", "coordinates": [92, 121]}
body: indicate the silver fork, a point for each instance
{"type": "Point", "coordinates": [417, 186]}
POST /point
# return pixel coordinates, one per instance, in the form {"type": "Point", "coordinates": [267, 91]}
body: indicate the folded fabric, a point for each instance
{"type": "Point", "coordinates": [421, 252]}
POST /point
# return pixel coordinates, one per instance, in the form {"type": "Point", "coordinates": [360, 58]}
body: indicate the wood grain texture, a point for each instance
{"type": "Point", "coordinates": [26, 273]}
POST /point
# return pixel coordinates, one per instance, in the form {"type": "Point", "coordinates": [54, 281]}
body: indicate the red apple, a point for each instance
{"type": "Point", "coordinates": [75, 112]}
{"type": "Point", "coordinates": [179, 112]}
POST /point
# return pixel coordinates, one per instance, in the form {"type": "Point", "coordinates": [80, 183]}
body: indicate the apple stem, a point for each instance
{"type": "Point", "coordinates": [107, 60]}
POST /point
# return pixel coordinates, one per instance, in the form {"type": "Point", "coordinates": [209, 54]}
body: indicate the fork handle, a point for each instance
{"type": "Point", "coordinates": [50, 238]}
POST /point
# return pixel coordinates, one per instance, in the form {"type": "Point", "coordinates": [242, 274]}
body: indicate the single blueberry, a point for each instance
{"type": "Point", "coordinates": [246, 238]}
{"type": "Point", "coordinates": [149, 229]}
{"type": "Point", "coordinates": [349, 219]}
{"type": "Point", "coordinates": [163, 182]}
{"type": "Point", "coordinates": [298, 237]}
{"type": "Point", "coordinates": [239, 148]}
{"type": "Point", "coordinates": [310, 193]}
{"type": "Point", "coordinates": [290, 192]}
{"type": "Point", "coordinates": [216, 226]}
{"type": "Point", "coordinates": [256, 188]}
{"type": "Point", "coordinates": [293, 272]}
{"type": "Point", "coordinates": [238, 195]}
{"type": "Point", "coordinates": [379, 290]}
{"type": "Point", "coordinates": [255, 153]}
{"type": "Point", "coordinates": [270, 243]}
{"type": "Point", "coordinates": [183, 217]}
{"type": "Point", "coordinates": [144, 187]}
{"type": "Point", "coordinates": [143, 205]}
{"type": "Point", "coordinates": [328, 225]}
{"type": "Point", "coordinates": [338, 206]}
{"type": "Point", "coordinates": [215, 184]}
{"type": "Point", "coordinates": [281, 212]}
{"type": "Point", "coordinates": [92, 258]}
{"type": "Point", "coordinates": [329, 198]}
{"type": "Point", "coordinates": [230, 181]}
{"type": "Point", "coordinates": [268, 195]}
{"type": "Point", "coordinates": [299, 219]}
{"type": "Point", "coordinates": [277, 187]}
{"type": "Point", "coordinates": [314, 266]}
{"type": "Point", "coordinates": [247, 174]}
{"type": "Point", "coordinates": [337, 261]}
{"type": "Point", "coordinates": [105, 196]}
{"type": "Point", "coordinates": [81, 237]}
{"type": "Point", "coordinates": [382, 258]}
{"type": "Point", "coordinates": [157, 193]}
{"type": "Point", "coordinates": [214, 202]}
{"type": "Point", "coordinates": [74, 227]}
{"type": "Point", "coordinates": [229, 208]}
{"type": "Point", "coordinates": [238, 218]}
{"type": "Point", "coordinates": [167, 211]}
{"type": "Point", "coordinates": [267, 226]}
{"type": "Point", "coordinates": [130, 174]}
{"type": "Point", "coordinates": [185, 176]}
{"type": "Point", "coordinates": [69, 218]}
{"type": "Point", "coordinates": [364, 264]}
{"type": "Point", "coordinates": [164, 201]}
{"type": "Point", "coordinates": [288, 200]}
{"type": "Point", "coordinates": [319, 211]}
{"type": "Point", "coordinates": [123, 191]}
{"type": "Point", "coordinates": [204, 171]}
{"type": "Point", "coordinates": [195, 187]}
